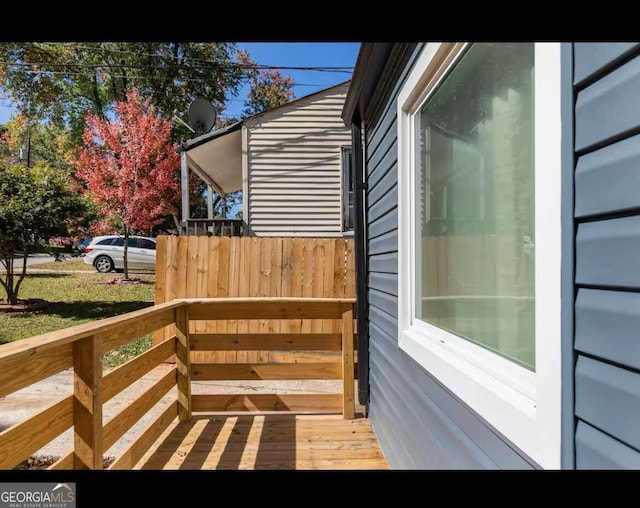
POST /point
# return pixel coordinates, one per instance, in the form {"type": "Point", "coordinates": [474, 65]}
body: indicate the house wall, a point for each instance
{"type": "Point", "coordinates": [419, 422]}
{"type": "Point", "coordinates": [607, 248]}
{"type": "Point", "coordinates": [293, 167]}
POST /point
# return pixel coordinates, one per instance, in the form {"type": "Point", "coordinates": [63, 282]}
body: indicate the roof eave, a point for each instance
{"type": "Point", "coordinates": [204, 138]}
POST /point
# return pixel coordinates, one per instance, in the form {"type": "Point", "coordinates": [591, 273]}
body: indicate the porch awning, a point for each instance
{"type": "Point", "coordinates": [216, 157]}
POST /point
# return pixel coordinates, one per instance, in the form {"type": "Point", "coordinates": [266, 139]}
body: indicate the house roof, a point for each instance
{"type": "Point", "coordinates": [377, 67]}
{"type": "Point", "coordinates": [216, 157]}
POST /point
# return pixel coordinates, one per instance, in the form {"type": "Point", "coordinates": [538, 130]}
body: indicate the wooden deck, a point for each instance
{"type": "Point", "coordinates": [272, 430]}
{"type": "Point", "coordinates": [268, 441]}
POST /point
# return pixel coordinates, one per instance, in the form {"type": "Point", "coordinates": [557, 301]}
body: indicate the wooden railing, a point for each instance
{"type": "Point", "coordinates": [214, 227]}
{"type": "Point", "coordinates": [82, 347]}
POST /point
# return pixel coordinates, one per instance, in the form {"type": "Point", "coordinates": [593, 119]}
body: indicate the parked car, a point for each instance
{"type": "Point", "coordinates": [106, 253]}
{"type": "Point", "coordinates": [81, 246]}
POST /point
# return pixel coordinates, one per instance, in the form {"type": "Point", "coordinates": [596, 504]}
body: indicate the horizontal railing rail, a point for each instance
{"type": "Point", "coordinates": [214, 227]}
{"type": "Point", "coordinates": [82, 347]}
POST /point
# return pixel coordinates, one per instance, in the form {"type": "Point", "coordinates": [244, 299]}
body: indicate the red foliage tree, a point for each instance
{"type": "Point", "coordinates": [129, 165]}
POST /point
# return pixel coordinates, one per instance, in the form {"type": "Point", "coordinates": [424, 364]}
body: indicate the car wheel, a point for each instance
{"type": "Point", "coordinates": [103, 264]}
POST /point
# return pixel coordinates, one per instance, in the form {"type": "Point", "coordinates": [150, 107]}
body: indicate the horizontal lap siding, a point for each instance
{"type": "Point", "coordinates": [419, 423]}
{"type": "Point", "coordinates": [294, 167]}
{"type": "Point", "coordinates": [607, 213]}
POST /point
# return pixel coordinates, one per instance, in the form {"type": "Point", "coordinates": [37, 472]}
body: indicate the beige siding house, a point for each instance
{"type": "Point", "coordinates": [293, 172]}
{"type": "Point", "coordinates": [291, 165]}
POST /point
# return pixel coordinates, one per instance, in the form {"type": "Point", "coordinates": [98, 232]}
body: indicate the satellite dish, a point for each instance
{"type": "Point", "coordinates": [202, 115]}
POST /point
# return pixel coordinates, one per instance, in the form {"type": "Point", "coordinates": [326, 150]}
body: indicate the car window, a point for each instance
{"type": "Point", "coordinates": [133, 242]}
{"type": "Point", "coordinates": [118, 242]}
{"type": "Point", "coordinates": [147, 244]}
{"type": "Point", "coordinates": [106, 241]}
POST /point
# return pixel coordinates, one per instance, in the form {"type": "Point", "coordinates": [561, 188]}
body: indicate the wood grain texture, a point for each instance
{"type": "Point", "coordinates": [123, 376]}
{"type": "Point", "coordinates": [140, 446]}
{"type": "Point", "coordinates": [307, 279]}
{"type": "Point", "coordinates": [87, 404]}
{"type": "Point", "coordinates": [295, 325]}
{"type": "Point", "coordinates": [272, 441]}
{"type": "Point", "coordinates": [117, 426]}
{"type": "Point", "coordinates": [65, 462]}
{"type": "Point", "coordinates": [161, 273]}
{"type": "Point", "coordinates": [20, 441]}
{"type": "Point", "coordinates": [266, 308]}
{"type": "Point", "coordinates": [318, 278]}
{"type": "Point", "coordinates": [273, 342]}
{"type": "Point", "coordinates": [26, 361]}
{"type": "Point", "coordinates": [273, 326]}
{"type": "Point", "coordinates": [33, 364]}
{"type": "Point", "coordinates": [183, 363]}
{"type": "Point", "coordinates": [348, 389]}
{"type": "Point", "coordinates": [254, 278]}
{"type": "Point", "coordinates": [252, 267]}
{"type": "Point", "coordinates": [340, 272]}
{"type": "Point", "coordinates": [132, 330]}
{"type": "Point", "coordinates": [255, 371]}
{"type": "Point", "coordinates": [298, 403]}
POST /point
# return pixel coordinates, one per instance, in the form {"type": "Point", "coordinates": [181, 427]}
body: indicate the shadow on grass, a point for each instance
{"type": "Point", "coordinates": [52, 275]}
{"type": "Point", "coordinates": [92, 310]}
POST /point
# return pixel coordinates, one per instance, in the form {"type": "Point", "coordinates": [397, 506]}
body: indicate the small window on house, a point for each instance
{"type": "Point", "coordinates": [348, 186]}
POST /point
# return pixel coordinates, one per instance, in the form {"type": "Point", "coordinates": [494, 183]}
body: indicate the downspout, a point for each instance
{"type": "Point", "coordinates": [184, 184]}
{"type": "Point", "coordinates": [360, 235]}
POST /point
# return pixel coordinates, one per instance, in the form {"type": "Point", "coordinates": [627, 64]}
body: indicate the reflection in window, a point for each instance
{"type": "Point", "coordinates": [475, 221]}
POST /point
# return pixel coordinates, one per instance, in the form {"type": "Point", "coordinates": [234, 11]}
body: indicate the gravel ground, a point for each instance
{"type": "Point", "coordinates": [26, 402]}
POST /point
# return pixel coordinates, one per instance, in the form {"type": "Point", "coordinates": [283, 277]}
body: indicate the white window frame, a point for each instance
{"type": "Point", "coordinates": [524, 406]}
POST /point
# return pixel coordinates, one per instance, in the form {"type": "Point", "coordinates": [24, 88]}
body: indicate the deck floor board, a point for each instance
{"type": "Point", "coordinates": [266, 441]}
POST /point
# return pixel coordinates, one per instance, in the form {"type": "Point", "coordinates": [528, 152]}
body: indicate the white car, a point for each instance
{"type": "Point", "coordinates": [106, 253]}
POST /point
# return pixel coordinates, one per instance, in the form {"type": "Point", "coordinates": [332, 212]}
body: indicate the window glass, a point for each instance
{"type": "Point", "coordinates": [143, 243]}
{"type": "Point", "coordinates": [475, 201]}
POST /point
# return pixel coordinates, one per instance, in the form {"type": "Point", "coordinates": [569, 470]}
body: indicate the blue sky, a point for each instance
{"type": "Point", "coordinates": [303, 54]}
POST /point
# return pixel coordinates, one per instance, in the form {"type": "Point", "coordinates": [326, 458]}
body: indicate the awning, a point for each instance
{"type": "Point", "coordinates": [216, 157]}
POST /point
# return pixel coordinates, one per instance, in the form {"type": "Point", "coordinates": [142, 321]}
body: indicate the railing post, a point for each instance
{"type": "Point", "coordinates": [348, 389]}
{"type": "Point", "coordinates": [183, 363]}
{"type": "Point", "coordinates": [87, 403]}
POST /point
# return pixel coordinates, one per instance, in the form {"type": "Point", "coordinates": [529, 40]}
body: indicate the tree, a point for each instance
{"type": "Point", "coordinates": [269, 89]}
{"type": "Point", "coordinates": [42, 142]}
{"type": "Point", "coordinates": [61, 82]}
{"type": "Point", "coordinates": [36, 204]}
{"type": "Point", "coordinates": [130, 166]}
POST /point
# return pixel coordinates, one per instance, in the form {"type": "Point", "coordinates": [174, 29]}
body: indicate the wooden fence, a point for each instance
{"type": "Point", "coordinates": [214, 267]}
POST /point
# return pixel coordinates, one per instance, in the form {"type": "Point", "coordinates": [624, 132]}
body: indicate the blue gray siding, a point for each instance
{"type": "Point", "coordinates": [419, 423]}
{"type": "Point", "coordinates": [607, 249]}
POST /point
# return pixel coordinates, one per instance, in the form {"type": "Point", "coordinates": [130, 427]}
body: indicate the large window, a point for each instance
{"type": "Point", "coordinates": [476, 217]}
{"type": "Point", "coordinates": [479, 138]}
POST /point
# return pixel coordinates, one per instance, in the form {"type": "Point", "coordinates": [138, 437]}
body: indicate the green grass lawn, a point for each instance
{"type": "Point", "coordinates": [77, 298]}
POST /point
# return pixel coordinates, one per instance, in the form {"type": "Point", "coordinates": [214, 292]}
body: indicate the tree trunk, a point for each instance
{"type": "Point", "coordinates": [25, 254]}
{"type": "Point", "coordinates": [177, 223]}
{"type": "Point", "coordinates": [126, 249]}
{"type": "Point", "coordinates": [10, 288]}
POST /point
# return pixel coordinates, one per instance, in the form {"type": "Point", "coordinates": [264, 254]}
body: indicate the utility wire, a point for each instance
{"type": "Point", "coordinates": [345, 70]}
{"type": "Point", "coordinates": [128, 76]}
{"type": "Point", "coordinates": [190, 58]}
